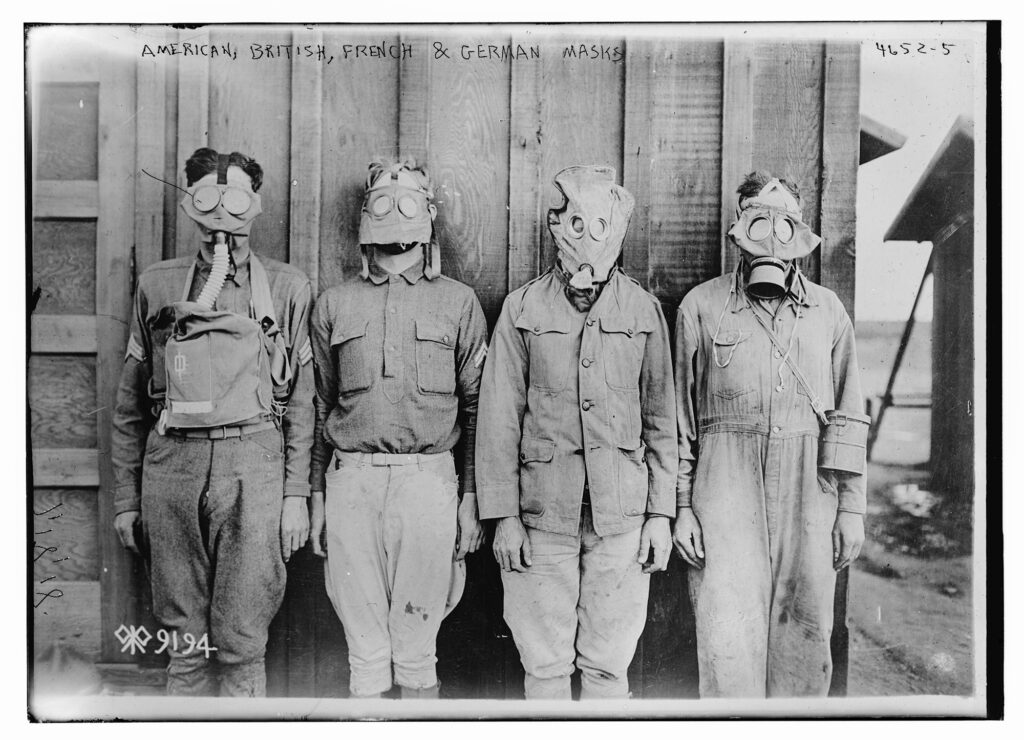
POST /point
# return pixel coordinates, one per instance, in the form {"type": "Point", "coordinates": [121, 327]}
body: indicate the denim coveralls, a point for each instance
{"type": "Point", "coordinates": [748, 465]}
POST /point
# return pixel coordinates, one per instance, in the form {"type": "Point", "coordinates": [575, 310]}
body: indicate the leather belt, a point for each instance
{"type": "Point", "coordinates": [224, 432]}
{"type": "Point", "coordinates": [378, 459]}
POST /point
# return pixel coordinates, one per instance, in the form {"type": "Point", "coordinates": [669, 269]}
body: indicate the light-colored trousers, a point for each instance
{"type": "Point", "coordinates": [582, 601]}
{"type": "Point", "coordinates": [763, 602]}
{"type": "Point", "coordinates": [391, 525]}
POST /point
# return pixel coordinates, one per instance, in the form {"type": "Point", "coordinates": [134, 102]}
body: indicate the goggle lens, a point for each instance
{"type": "Point", "coordinates": [759, 229]}
{"type": "Point", "coordinates": [206, 198]}
{"type": "Point", "coordinates": [381, 206]}
{"type": "Point", "coordinates": [576, 226]}
{"type": "Point", "coordinates": [408, 206]}
{"type": "Point", "coordinates": [236, 202]}
{"type": "Point", "coordinates": [598, 228]}
{"type": "Point", "coordinates": [784, 230]}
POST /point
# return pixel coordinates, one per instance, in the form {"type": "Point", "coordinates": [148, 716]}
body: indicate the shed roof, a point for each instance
{"type": "Point", "coordinates": [877, 139]}
{"type": "Point", "coordinates": [945, 190]}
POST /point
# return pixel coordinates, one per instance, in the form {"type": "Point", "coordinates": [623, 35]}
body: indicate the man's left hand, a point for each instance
{"type": "Point", "coordinates": [655, 538]}
{"type": "Point", "coordinates": [471, 532]}
{"type": "Point", "coordinates": [294, 525]}
{"type": "Point", "coordinates": [847, 538]}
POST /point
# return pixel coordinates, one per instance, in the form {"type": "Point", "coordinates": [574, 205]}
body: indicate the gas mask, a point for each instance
{"type": "Point", "coordinates": [228, 208]}
{"type": "Point", "coordinates": [396, 207]}
{"type": "Point", "coordinates": [771, 233]}
{"type": "Point", "coordinates": [590, 225]}
{"type": "Point", "coordinates": [222, 210]}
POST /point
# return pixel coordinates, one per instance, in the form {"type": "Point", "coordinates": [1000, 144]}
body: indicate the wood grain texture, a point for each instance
{"type": "Point", "coordinates": [66, 519]}
{"type": "Point", "coordinates": [62, 399]}
{"type": "Point", "coordinates": [638, 155]}
{"type": "Point", "coordinates": [65, 467]}
{"type": "Point", "coordinates": [840, 159]}
{"type": "Point", "coordinates": [71, 615]}
{"type": "Point", "coordinates": [65, 199]}
{"type": "Point", "coordinates": [151, 124]}
{"type": "Point", "coordinates": [193, 105]}
{"type": "Point", "coordinates": [360, 124]}
{"type": "Point", "coordinates": [737, 135]}
{"type": "Point", "coordinates": [305, 160]}
{"type": "Point", "coordinates": [64, 266]}
{"type": "Point", "coordinates": [115, 227]}
{"type": "Point", "coordinates": [66, 139]}
{"type": "Point", "coordinates": [684, 182]}
{"type": "Point", "coordinates": [63, 334]}
{"type": "Point", "coordinates": [464, 135]}
{"type": "Point", "coordinates": [250, 113]}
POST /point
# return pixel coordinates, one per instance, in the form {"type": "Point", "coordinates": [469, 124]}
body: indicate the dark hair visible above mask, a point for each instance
{"type": "Point", "coordinates": [204, 162]}
{"type": "Point", "coordinates": [754, 182]}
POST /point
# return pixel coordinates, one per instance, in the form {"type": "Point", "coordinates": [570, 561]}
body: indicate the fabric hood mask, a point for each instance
{"type": "Point", "coordinates": [588, 228]}
{"type": "Point", "coordinates": [769, 229]}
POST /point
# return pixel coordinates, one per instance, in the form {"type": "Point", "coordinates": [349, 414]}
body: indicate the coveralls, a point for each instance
{"type": "Point", "coordinates": [211, 499]}
{"type": "Point", "coordinates": [398, 361]}
{"type": "Point", "coordinates": [748, 465]}
{"type": "Point", "coordinates": [577, 437]}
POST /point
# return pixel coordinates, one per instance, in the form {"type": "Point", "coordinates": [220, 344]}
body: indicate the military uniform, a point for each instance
{"type": "Point", "coordinates": [211, 499]}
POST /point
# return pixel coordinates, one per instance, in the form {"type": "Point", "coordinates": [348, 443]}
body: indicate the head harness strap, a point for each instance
{"type": "Point", "coordinates": [222, 169]}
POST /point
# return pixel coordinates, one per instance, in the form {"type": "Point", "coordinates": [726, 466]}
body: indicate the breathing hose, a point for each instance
{"type": "Point", "coordinates": [218, 273]}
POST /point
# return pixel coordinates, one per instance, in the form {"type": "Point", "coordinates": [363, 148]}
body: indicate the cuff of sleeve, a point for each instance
{"type": "Point", "coordinates": [498, 501]}
{"type": "Point", "coordinates": [662, 504]}
{"type": "Point", "coordinates": [127, 498]}
{"type": "Point", "coordinates": [296, 489]}
{"type": "Point", "coordinates": [853, 502]}
{"type": "Point", "coordinates": [684, 490]}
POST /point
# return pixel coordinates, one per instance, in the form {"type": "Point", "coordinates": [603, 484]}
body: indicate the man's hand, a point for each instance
{"type": "Point", "coordinates": [470, 533]}
{"type": "Point", "coordinates": [655, 538]}
{"type": "Point", "coordinates": [294, 525]}
{"type": "Point", "coordinates": [847, 538]}
{"type": "Point", "coordinates": [317, 517]}
{"type": "Point", "coordinates": [125, 523]}
{"type": "Point", "coordinates": [689, 537]}
{"type": "Point", "coordinates": [511, 539]}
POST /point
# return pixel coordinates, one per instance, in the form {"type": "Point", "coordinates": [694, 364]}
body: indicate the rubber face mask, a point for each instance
{"type": "Point", "coordinates": [589, 227]}
{"type": "Point", "coordinates": [228, 205]}
{"type": "Point", "coordinates": [396, 208]}
{"type": "Point", "coordinates": [770, 231]}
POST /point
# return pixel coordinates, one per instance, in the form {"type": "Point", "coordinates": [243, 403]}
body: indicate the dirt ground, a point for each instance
{"type": "Point", "coordinates": [910, 609]}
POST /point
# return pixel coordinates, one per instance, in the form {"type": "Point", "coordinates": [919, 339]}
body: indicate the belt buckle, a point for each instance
{"type": "Point", "coordinates": [223, 433]}
{"type": "Point", "coordinates": [378, 459]}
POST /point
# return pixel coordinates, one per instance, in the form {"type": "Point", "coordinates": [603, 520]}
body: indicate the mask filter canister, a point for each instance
{"type": "Point", "coordinates": [767, 278]}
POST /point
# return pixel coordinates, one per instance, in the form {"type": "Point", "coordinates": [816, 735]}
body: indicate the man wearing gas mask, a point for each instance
{"type": "Point", "coordinates": [576, 451]}
{"type": "Point", "coordinates": [399, 350]}
{"type": "Point", "coordinates": [771, 488]}
{"type": "Point", "coordinates": [212, 432]}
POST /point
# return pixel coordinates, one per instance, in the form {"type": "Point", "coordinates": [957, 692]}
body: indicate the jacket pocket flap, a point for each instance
{"type": "Point", "coordinates": [342, 333]}
{"type": "Point", "coordinates": [628, 325]}
{"type": "Point", "coordinates": [729, 337]}
{"type": "Point", "coordinates": [536, 450]}
{"type": "Point", "coordinates": [635, 450]}
{"type": "Point", "coordinates": [432, 332]}
{"type": "Point", "coordinates": [558, 323]}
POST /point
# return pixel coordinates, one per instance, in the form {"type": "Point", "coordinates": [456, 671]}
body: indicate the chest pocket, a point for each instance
{"type": "Point", "coordinates": [732, 374]}
{"type": "Point", "coordinates": [624, 339]}
{"type": "Point", "coordinates": [547, 339]}
{"type": "Point", "coordinates": [352, 357]}
{"type": "Point", "coordinates": [435, 357]}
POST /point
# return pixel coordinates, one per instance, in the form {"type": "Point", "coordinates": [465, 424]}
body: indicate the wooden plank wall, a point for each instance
{"type": "Point", "coordinates": [681, 119]}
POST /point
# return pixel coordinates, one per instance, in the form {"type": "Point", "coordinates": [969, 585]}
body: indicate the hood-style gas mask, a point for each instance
{"type": "Point", "coordinates": [771, 232]}
{"type": "Point", "coordinates": [396, 207]}
{"type": "Point", "coordinates": [588, 228]}
{"type": "Point", "coordinates": [227, 208]}
{"type": "Point", "coordinates": [398, 213]}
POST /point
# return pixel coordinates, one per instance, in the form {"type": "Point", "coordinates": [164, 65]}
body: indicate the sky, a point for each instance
{"type": "Point", "coordinates": [920, 96]}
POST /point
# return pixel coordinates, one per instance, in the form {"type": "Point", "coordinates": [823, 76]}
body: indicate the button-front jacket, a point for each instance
{"type": "Point", "coordinates": [572, 399]}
